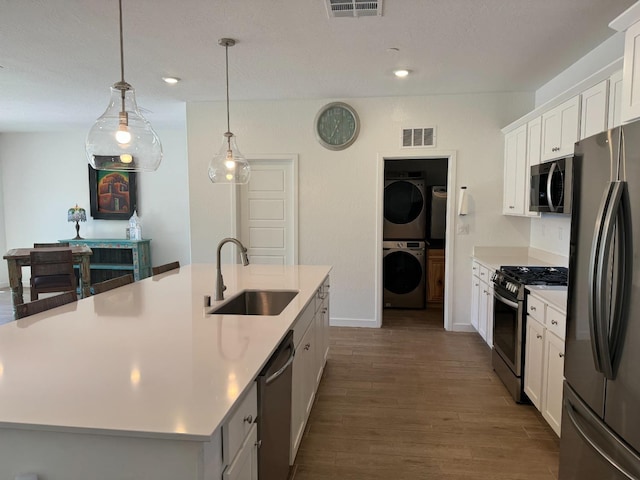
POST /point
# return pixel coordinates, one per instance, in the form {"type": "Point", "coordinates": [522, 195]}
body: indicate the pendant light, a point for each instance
{"type": "Point", "coordinates": [122, 139]}
{"type": "Point", "coordinates": [229, 165]}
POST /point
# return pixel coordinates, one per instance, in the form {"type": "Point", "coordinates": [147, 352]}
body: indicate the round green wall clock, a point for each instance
{"type": "Point", "coordinates": [337, 126]}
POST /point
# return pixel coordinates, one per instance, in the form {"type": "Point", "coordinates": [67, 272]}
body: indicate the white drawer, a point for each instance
{"type": "Point", "coordinates": [485, 274]}
{"type": "Point", "coordinates": [475, 268]}
{"type": "Point", "coordinates": [238, 425]}
{"type": "Point", "coordinates": [535, 308]}
{"type": "Point", "coordinates": [556, 322]}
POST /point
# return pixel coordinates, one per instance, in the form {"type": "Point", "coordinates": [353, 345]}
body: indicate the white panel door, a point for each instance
{"type": "Point", "coordinates": [268, 206]}
{"type": "Point", "coordinates": [615, 100]}
{"type": "Point", "coordinates": [594, 110]}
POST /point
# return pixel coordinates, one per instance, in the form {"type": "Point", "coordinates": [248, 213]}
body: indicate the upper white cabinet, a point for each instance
{"type": "Point", "coordinates": [594, 111]}
{"type": "Point", "coordinates": [631, 74]}
{"type": "Point", "coordinates": [560, 129]}
{"type": "Point", "coordinates": [534, 152]}
{"type": "Point", "coordinates": [615, 100]}
{"type": "Point", "coordinates": [515, 164]}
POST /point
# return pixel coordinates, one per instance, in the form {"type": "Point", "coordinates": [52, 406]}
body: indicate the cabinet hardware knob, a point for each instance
{"type": "Point", "coordinates": [512, 206]}
{"type": "Point", "coordinates": [307, 346]}
{"type": "Point", "coordinates": [561, 355]}
{"type": "Point", "coordinates": [248, 419]}
{"type": "Point", "coordinates": [533, 308]}
{"type": "Point", "coordinates": [324, 310]}
{"type": "Point", "coordinates": [554, 322]}
{"type": "Point", "coordinates": [476, 284]}
{"type": "Point", "coordinates": [258, 443]}
{"type": "Point", "coordinates": [538, 335]}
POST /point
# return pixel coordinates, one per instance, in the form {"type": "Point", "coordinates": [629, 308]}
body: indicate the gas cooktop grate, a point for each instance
{"type": "Point", "coordinates": [533, 275]}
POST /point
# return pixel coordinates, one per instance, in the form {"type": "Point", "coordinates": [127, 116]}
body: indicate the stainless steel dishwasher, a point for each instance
{"type": "Point", "coordinates": [274, 412]}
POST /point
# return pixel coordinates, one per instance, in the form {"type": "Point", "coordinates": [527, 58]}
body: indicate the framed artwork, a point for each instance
{"type": "Point", "coordinates": [112, 194]}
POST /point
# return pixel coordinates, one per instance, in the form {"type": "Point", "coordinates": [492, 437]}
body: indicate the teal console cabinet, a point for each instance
{"type": "Point", "coordinates": [116, 257]}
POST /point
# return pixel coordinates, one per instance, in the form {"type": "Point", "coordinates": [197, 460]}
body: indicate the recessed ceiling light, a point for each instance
{"type": "Point", "coordinates": [171, 80]}
{"type": "Point", "coordinates": [401, 73]}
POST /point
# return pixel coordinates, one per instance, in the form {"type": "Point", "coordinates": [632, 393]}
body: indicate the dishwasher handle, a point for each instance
{"type": "Point", "coordinates": [282, 369]}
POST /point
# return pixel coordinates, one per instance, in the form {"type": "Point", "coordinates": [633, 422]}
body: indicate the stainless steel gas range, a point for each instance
{"type": "Point", "coordinates": [509, 320]}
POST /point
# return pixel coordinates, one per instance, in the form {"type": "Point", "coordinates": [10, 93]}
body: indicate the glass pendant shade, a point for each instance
{"type": "Point", "coordinates": [122, 139]}
{"type": "Point", "coordinates": [229, 165]}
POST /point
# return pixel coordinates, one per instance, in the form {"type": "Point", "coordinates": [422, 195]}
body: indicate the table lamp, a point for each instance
{"type": "Point", "coordinates": [77, 214]}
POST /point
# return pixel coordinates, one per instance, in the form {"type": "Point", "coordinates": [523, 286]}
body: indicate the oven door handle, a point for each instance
{"type": "Point", "coordinates": [506, 301]}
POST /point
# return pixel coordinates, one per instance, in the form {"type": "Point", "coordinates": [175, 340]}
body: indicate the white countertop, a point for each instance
{"type": "Point", "coordinates": [144, 359]}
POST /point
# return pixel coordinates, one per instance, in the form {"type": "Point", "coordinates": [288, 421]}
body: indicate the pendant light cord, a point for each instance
{"type": "Point", "coordinates": [226, 56]}
{"type": "Point", "coordinates": [122, 82]}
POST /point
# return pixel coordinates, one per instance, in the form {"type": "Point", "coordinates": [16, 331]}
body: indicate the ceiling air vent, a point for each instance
{"type": "Point", "coordinates": [418, 137]}
{"type": "Point", "coordinates": [354, 8]}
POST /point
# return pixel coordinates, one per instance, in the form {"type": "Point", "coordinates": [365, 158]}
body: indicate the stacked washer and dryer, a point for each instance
{"type": "Point", "coordinates": [407, 211]}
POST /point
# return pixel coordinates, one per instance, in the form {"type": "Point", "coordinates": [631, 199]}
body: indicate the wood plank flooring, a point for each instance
{"type": "Point", "coordinates": [411, 401]}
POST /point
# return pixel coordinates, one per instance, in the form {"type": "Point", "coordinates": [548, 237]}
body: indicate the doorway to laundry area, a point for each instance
{"type": "Point", "coordinates": [414, 239]}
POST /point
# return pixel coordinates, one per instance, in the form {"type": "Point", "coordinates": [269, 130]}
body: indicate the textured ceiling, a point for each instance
{"type": "Point", "coordinates": [59, 58]}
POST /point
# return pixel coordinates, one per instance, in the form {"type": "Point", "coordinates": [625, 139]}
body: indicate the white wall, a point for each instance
{"type": "Point", "coordinates": [43, 174]}
{"type": "Point", "coordinates": [4, 276]}
{"type": "Point", "coordinates": [607, 52]}
{"type": "Point", "coordinates": [337, 190]}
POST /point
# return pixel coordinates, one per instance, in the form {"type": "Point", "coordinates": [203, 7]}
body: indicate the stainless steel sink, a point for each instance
{"type": "Point", "coordinates": [256, 302]}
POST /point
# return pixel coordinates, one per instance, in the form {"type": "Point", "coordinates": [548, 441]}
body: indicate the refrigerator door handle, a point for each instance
{"type": "Point", "coordinates": [601, 319]}
{"type": "Point", "coordinates": [626, 462]}
{"type": "Point", "coordinates": [552, 207]}
{"type": "Point", "coordinates": [596, 273]}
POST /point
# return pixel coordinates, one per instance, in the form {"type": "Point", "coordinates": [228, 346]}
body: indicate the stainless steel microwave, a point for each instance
{"type": "Point", "coordinates": [551, 186]}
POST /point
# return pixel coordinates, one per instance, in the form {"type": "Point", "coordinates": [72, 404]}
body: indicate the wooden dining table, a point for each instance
{"type": "Point", "coordinates": [21, 257]}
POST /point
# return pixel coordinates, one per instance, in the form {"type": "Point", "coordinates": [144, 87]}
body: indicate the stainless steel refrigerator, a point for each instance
{"type": "Point", "coordinates": [601, 413]}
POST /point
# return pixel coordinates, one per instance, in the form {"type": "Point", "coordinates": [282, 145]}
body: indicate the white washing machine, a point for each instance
{"type": "Point", "coordinates": [403, 274]}
{"type": "Point", "coordinates": [405, 209]}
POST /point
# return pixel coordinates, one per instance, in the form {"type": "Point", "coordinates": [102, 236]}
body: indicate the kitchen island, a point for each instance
{"type": "Point", "coordinates": [135, 383]}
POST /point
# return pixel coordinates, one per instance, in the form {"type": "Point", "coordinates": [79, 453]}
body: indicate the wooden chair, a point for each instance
{"type": "Point", "coordinates": [51, 245]}
{"type": "Point", "coordinates": [37, 306]}
{"type": "Point", "coordinates": [165, 268]}
{"type": "Point", "coordinates": [111, 284]}
{"type": "Point", "coordinates": [51, 271]}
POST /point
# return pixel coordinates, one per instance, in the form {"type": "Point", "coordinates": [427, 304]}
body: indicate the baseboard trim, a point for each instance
{"type": "Point", "coordinates": [352, 322]}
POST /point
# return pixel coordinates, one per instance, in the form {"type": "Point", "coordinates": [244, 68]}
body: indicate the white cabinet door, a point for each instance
{"type": "Point", "coordinates": [303, 387]}
{"type": "Point", "coordinates": [489, 295]}
{"type": "Point", "coordinates": [475, 302]}
{"type": "Point", "coordinates": [533, 364]}
{"type": "Point", "coordinates": [631, 74]}
{"type": "Point", "coordinates": [482, 311]}
{"type": "Point", "coordinates": [615, 100]}
{"type": "Point", "coordinates": [245, 464]}
{"type": "Point", "coordinates": [534, 151]}
{"type": "Point", "coordinates": [515, 160]}
{"type": "Point", "coordinates": [594, 111]}
{"type": "Point", "coordinates": [560, 129]}
{"type": "Point", "coordinates": [553, 376]}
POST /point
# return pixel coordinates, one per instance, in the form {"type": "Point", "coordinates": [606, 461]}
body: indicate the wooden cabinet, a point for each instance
{"type": "Point", "coordinates": [560, 129]}
{"type": "Point", "coordinates": [594, 112]}
{"type": "Point", "coordinates": [435, 275]}
{"type": "Point", "coordinates": [615, 100]}
{"type": "Point", "coordinates": [544, 359]}
{"type": "Point", "coordinates": [515, 162]}
{"type": "Point", "coordinates": [114, 257]}
{"type": "Point", "coordinates": [482, 302]}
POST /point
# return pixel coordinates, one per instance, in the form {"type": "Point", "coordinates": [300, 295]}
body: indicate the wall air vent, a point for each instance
{"type": "Point", "coordinates": [418, 137]}
{"type": "Point", "coordinates": [354, 8]}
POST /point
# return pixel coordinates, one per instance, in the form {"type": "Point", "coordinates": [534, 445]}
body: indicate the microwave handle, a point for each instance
{"type": "Point", "coordinates": [552, 207]}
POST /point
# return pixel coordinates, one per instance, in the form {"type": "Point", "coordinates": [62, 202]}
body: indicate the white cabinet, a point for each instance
{"type": "Point", "coordinates": [631, 74]}
{"type": "Point", "coordinates": [245, 464]}
{"type": "Point", "coordinates": [560, 129]}
{"type": "Point", "coordinates": [240, 439]}
{"type": "Point", "coordinates": [311, 341]}
{"type": "Point", "coordinates": [534, 350]}
{"type": "Point", "coordinates": [482, 302]}
{"type": "Point", "coordinates": [594, 109]}
{"type": "Point", "coordinates": [544, 359]}
{"type": "Point", "coordinates": [615, 100]}
{"type": "Point", "coordinates": [553, 375]}
{"type": "Point", "coordinates": [515, 163]}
